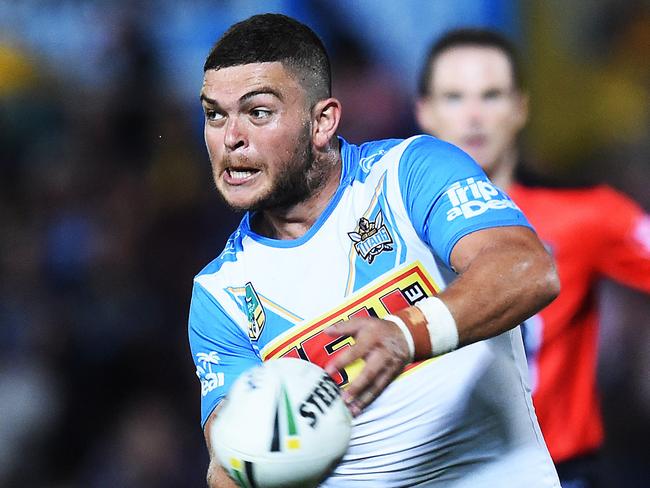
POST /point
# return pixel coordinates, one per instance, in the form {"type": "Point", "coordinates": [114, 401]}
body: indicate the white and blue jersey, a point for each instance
{"type": "Point", "coordinates": [383, 243]}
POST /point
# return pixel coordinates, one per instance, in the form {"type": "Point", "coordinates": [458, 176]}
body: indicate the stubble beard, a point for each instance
{"type": "Point", "coordinates": [298, 178]}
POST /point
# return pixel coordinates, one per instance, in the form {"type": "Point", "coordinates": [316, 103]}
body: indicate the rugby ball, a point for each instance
{"type": "Point", "coordinates": [283, 424]}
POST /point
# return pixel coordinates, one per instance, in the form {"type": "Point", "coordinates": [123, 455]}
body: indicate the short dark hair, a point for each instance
{"type": "Point", "coordinates": [267, 38]}
{"type": "Point", "coordinates": [469, 37]}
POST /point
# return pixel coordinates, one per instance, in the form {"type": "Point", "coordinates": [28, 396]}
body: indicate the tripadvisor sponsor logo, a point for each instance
{"type": "Point", "coordinates": [471, 198]}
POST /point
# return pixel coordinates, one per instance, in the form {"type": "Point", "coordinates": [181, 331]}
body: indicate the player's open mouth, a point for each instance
{"type": "Point", "coordinates": [239, 176]}
{"type": "Point", "coordinates": [475, 140]}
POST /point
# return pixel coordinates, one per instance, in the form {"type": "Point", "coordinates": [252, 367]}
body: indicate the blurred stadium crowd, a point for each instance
{"type": "Point", "coordinates": [107, 211]}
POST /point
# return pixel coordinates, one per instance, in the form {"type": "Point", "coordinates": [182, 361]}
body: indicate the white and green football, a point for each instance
{"type": "Point", "coordinates": [283, 424]}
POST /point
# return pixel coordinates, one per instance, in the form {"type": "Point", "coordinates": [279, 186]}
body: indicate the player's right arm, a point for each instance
{"type": "Point", "coordinates": [221, 351]}
{"type": "Point", "coordinates": [217, 476]}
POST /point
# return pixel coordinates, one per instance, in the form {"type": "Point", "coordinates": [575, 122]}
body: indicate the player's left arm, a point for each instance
{"type": "Point", "coordinates": [505, 276]}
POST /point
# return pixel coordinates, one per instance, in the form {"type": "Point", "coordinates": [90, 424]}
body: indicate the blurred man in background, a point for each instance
{"type": "Point", "coordinates": [471, 94]}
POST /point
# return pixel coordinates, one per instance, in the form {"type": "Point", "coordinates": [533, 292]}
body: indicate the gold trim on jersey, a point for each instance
{"type": "Point", "coordinates": [366, 215]}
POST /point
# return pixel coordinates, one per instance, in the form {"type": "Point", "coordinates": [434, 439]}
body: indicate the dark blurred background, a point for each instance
{"type": "Point", "coordinates": [107, 208]}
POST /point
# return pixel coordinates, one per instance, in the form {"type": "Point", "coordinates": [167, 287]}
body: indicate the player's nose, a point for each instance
{"type": "Point", "coordinates": [234, 136]}
{"type": "Point", "coordinates": [474, 114]}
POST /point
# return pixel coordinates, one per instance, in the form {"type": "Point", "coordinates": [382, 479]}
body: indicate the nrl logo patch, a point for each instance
{"type": "Point", "coordinates": [255, 312]}
{"type": "Point", "coordinates": [371, 238]}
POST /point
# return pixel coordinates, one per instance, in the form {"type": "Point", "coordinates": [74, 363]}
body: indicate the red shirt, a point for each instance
{"type": "Point", "coordinates": [591, 233]}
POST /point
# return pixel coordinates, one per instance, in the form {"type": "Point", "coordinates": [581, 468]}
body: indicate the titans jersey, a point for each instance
{"type": "Point", "coordinates": [383, 243]}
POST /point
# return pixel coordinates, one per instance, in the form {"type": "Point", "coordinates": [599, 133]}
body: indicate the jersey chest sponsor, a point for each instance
{"type": "Point", "coordinates": [391, 293]}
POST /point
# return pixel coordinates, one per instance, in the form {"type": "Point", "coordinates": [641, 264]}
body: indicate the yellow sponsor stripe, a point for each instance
{"type": "Point", "coordinates": [368, 297]}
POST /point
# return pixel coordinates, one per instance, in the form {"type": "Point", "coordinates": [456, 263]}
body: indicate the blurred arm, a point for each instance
{"type": "Point", "coordinates": [217, 476]}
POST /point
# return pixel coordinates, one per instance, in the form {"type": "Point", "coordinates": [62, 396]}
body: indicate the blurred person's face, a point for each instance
{"type": "Point", "coordinates": [474, 104]}
{"type": "Point", "coordinates": [258, 135]}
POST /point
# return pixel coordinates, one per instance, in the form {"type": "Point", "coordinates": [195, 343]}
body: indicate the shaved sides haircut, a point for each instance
{"type": "Point", "coordinates": [269, 38]}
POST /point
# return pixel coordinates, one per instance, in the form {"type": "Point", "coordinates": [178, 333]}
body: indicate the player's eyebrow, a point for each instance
{"type": "Point", "coordinates": [262, 91]}
{"type": "Point", "coordinates": [491, 92]}
{"type": "Point", "coordinates": [204, 98]}
{"type": "Point", "coordinates": [447, 93]}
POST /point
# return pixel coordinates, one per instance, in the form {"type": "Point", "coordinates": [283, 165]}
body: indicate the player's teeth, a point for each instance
{"type": "Point", "coordinates": [240, 174]}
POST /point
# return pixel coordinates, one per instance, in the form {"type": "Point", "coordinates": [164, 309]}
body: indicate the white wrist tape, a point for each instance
{"type": "Point", "coordinates": [407, 334]}
{"type": "Point", "coordinates": [441, 325]}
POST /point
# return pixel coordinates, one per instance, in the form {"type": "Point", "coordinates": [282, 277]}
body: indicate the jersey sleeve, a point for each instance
{"type": "Point", "coordinates": [447, 195]}
{"type": "Point", "coordinates": [220, 349]}
{"type": "Point", "coordinates": [625, 249]}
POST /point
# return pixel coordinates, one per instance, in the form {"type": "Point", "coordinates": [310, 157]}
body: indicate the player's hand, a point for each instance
{"type": "Point", "coordinates": [381, 344]}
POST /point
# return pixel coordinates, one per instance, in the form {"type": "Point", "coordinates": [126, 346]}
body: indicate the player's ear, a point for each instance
{"type": "Point", "coordinates": [326, 116]}
{"type": "Point", "coordinates": [425, 115]}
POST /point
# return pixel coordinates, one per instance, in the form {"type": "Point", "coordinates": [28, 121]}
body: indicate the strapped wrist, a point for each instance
{"type": "Point", "coordinates": [431, 326]}
{"type": "Point", "coordinates": [443, 331]}
{"type": "Point", "coordinates": [407, 334]}
{"type": "Point", "coordinates": [416, 323]}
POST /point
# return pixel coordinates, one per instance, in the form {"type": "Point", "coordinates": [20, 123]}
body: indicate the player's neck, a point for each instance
{"type": "Point", "coordinates": [293, 222]}
{"type": "Point", "coordinates": [503, 174]}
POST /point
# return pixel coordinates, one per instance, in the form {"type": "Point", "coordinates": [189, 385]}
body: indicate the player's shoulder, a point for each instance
{"type": "Point", "coordinates": [427, 143]}
{"type": "Point", "coordinates": [417, 151]}
{"type": "Point", "coordinates": [607, 195]}
{"type": "Point", "coordinates": [233, 246]}
{"type": "Point", "coordinates": [430, 161]}
{"type": "Point", "coordinates": [588, 197]}
{"type": "Point", "coordinates": [359, 160]}
{"type": "Point", "coordinates": [432, 154]}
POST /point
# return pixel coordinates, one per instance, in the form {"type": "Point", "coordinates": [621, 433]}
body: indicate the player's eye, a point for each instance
{"type": "Point", "coordinates": [452, 97]}
{"type": "Point", "coordinates": [212, 115]}
{"type": "Point", "coordinates": [493, 95]}
{"type": "Point", "coordinates": [260, 113]}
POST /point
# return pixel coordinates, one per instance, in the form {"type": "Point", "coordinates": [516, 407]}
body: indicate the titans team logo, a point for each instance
{"type": "Point", "coordinates": [255, 312]}
{"type": "Point", "coordinates": [371, 238]}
